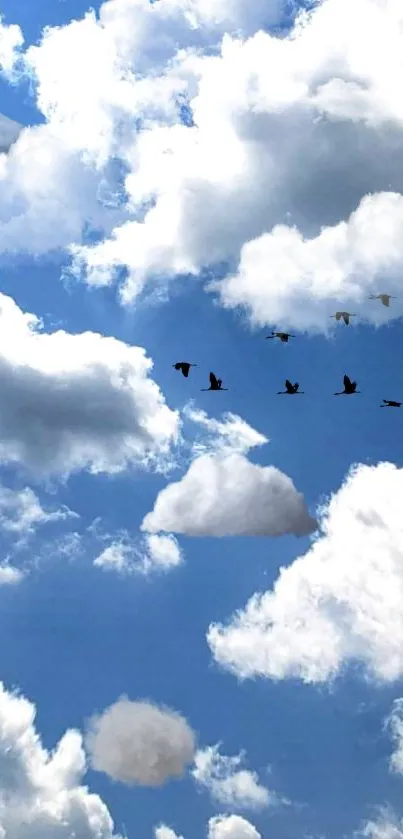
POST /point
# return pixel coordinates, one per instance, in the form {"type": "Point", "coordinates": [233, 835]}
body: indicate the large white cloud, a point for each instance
{"type": "Point", "coordinates": [327, 96]}
{"type": "Point", "coordinates": [228, 495]}
{"type": "Point", "coordinates": [139, 743]}
{"type": "Point", "coordinates": [228, 782]}
{"type": "Point", "coordinates": [76, 401]}
{"type": "Point", "coordinates": [41, 793]}
{"type": "Point", "coordinates": [341, 602]}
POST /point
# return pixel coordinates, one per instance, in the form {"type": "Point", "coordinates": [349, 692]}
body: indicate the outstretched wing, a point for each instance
{"type": "Point", "coordinates": [185, 368]}
{"type": "Point", "coordinates": [353, 385]}
{"type": "Point", "coordinates": [289, 386]}
{"type": "Point", "coordinates": [338, 315]}
{"type": "Point", "coordinates": [284, 337]}
{"type": "Point", "coordinates": [296, 386]}
{"type": "Point", "coordinates": [385, 299]}
{"type": "Point", "coordinates": [346, 318]}
{"type": "Point", "coordinates": [213, 380]}
{"type": "Point", "coordinates": [347, 381]}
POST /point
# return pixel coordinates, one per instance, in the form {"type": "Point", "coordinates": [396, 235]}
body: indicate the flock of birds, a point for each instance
{"type": "Point", "coordinates": [293, 389]}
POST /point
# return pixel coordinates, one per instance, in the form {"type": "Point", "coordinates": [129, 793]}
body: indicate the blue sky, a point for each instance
{"type": "Point", "coordinates": [76, 636]}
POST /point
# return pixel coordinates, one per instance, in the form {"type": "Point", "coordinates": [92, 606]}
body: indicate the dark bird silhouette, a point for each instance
{"type": "Point", "coordinates": [284, 336]}
{"type": "Point", "coordinates": [349, 387]}
{"type": "Point", "coordinates": [215, 384]}
{"type": "Point", "coordinates": [390, 403]}
{"type": "Point", "coordinates": [345, 315]}
{"type": "Point", "coordinates": [184, 366]}
{"type": "Point", "coordinates": [384, 298]}
{"type": "Point", "coordinates": [290, 388]}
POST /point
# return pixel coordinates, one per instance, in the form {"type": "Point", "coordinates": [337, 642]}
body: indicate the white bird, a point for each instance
{"type": "Point", "coordinates": [385, 298]}
{"type": "Point", "coordinates": [345, 315]}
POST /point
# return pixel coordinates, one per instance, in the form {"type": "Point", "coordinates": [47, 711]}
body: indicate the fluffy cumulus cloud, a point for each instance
{"type": "Point", "coordinates": [231, 185]}
{"type": "Point", "coordinates": [387, 826]}
{"type": "Point", "coordinates": [139, 743]}
{"type": "Point", "coordinates": [164, 832]}
{"type": "Point", "coordinates": [231, 827]}
{"type": "Point", "coordinates": [342, 601]}
{"type": "Point", "coordinates": [229, 783]}
{"type": "Point", "coordinates": [227, 495]}
{"type": "Point", "coordinates": [77, 401]}
{"type": "Point", "coordinates": [41, 794]}
{"type": "Point", "coordinates": [158, 552]}
{"type": "Point", "coordinates": [223, 827]}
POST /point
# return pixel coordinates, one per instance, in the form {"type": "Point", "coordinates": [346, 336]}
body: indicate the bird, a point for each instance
{"type": "Point", "coordinates": [284, 336]}
{"type": "Point", "coordinates": [345, 315]}
{"type": "Point", "coordinates": [390, 403]}
{"type": "Point", "coordinates": [385, 298]}
{"type": "Point", "coordinates": [184, 366]}
{"type": "Point", "coordinates": [349, 387]}
{"type": "Point", "coordinates": [291, 389]}
{"type": "Point", "coordinates": [215, 384]}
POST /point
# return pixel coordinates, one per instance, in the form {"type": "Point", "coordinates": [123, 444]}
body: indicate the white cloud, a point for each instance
{"type": "Point", "coordinates": [341, 602]}
{"type": "Point", "coordinates": [387, 826]}
{"type": "Point", "coordinates": [41, 794]}
{"type": "Point", "coordinates": [77, 401]}
{"type": "Point", "coordinates": [230, 434]}
{"type": "Point", "coordinates": [139, 743]}
{"type": "Point", "coordinates": [164, 832]}
{"type": "Point", "coordinates": [227, 495]}
{"type": "Point", "coordinates": [9, 576]}
{"type": "Point", "coordinates": [343, 263]}
{"type": "Point", "coordinates": [326, 95]}
{"type": "Point", "coordinates": [126, 556]}
{"type": "Point", "coordinates": [21, 511]}
{"type": "Point", "coordinates": [231, 827]}
{"type": "Point", "coordinates": [227, 782]}
{"type": "Point", "coordinates": [394, 724]}
{"type": "Point", "coordinates": [11, 41]}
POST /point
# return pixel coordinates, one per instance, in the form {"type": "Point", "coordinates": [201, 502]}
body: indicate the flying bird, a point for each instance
{"type": "Point", "coordinates": [349, 387]}
{"type": "Point", "coordinates": [290, 388]}
{"type": "Point", "coordinates": [385, 298]}
{"type": "Point", "coordinates": [184, 366]}
{"type": "Point", "coordinates": [284, 336]}
{"type": "Point", "coordinates": [215, 384]}
{"type": "Point", "coordinates": [345, 315]}
{"type": "Point", "coordinates": [390, 403]}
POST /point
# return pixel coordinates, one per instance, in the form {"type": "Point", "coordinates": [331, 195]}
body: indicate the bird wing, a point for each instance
{"type": "Point", "coordinates": [385, 299]}
{"type": "Point", "coordinates": [338, 315]}
{"type": "Point", "coordinates": [284, 337]}
{"type": "Point", "coordinates": [346, 381]}
{"type": "Point", "coordinates": [213, 380]}
{"type": "Point", "coordinates": [346, 318]}
{"type": "Point", "coordinates": [185, 368]}
{"type": "Point", "coordinates": [353, 385]}
{"type": "Point", "coordinates": [296, 386]}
